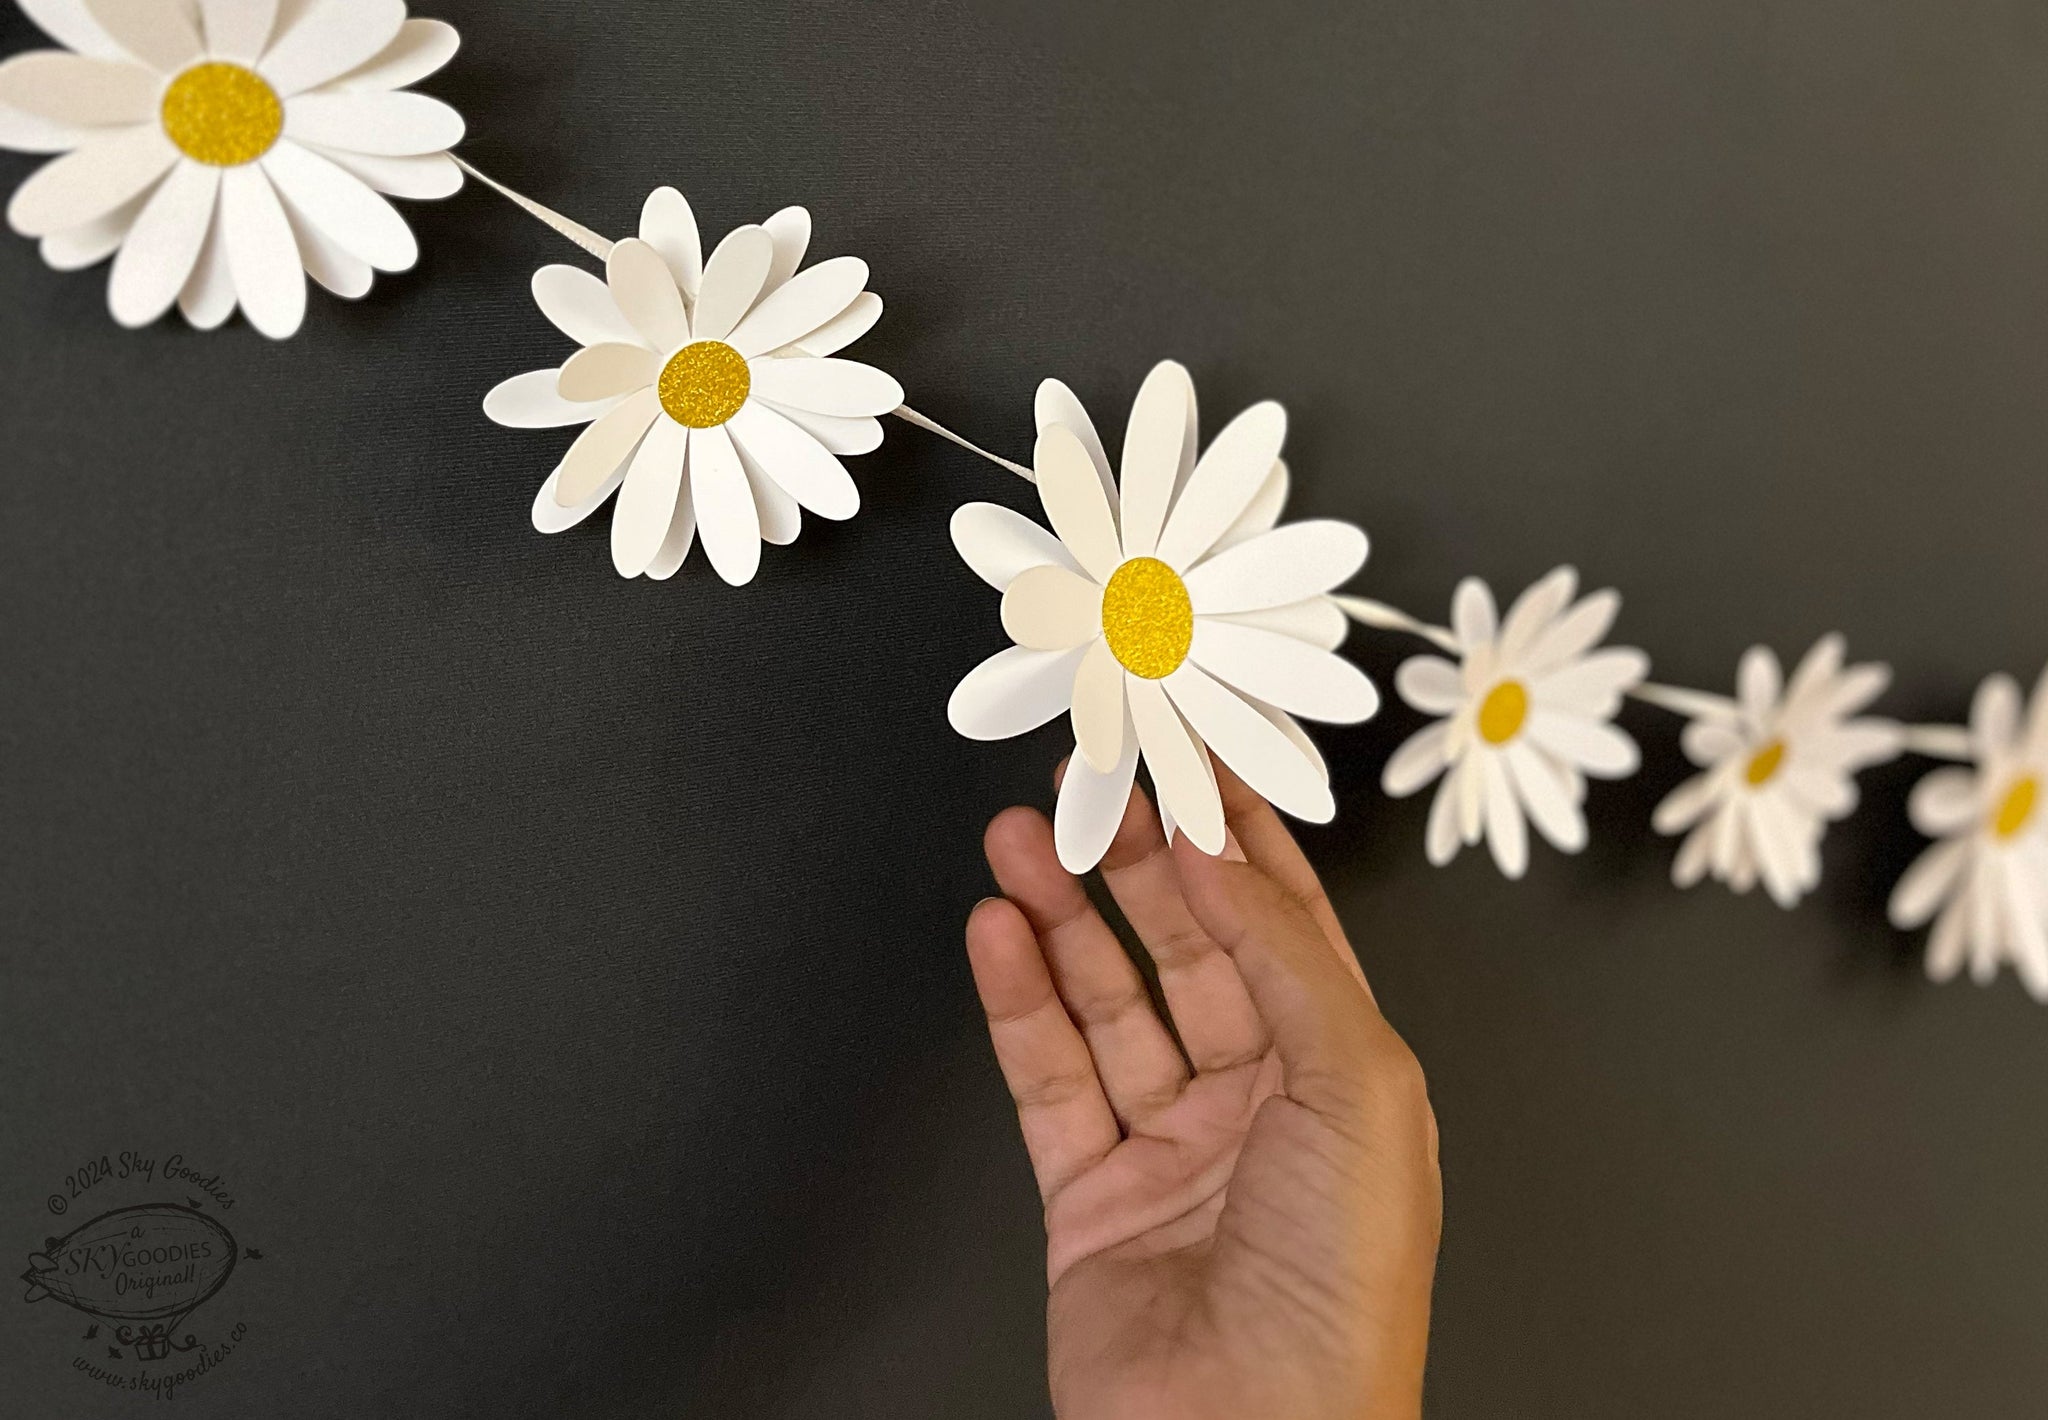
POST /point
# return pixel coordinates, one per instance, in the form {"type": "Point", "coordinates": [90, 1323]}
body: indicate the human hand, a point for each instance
{"type": "Point", "coordinates": [1244, 1225]}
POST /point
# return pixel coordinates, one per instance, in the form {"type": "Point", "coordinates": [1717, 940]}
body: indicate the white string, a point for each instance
{"type": "Point", "coordinates": [600, 248]}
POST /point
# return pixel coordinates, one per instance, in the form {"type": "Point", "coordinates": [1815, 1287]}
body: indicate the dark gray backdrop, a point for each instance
{"type": "Point", "coordinates": [564, 974]}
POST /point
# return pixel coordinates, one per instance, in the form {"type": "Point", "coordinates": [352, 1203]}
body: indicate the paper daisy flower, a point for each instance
{"type": "Point", "coordinates": [222, 151]}
{"type": "Point", "coordinates": [1985, 883]}
{"type": "Point", "coordinates": [1527, 716]}
{"type": "Point", "coordinates": [712, 400]}
{"type": "Point", "coordinates": [1167, 615]}
{"type": "Point", "coordinates": [1780, 764]}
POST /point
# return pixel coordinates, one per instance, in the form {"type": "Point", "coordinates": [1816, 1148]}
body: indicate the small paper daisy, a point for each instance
{"type": "Point", "coordinates": [1168, 618]}
{"type": "Point", "coordinates": [1527, 717]}
{"type": "Point", "coordinates": [1780, 766]}
{"type": "Point", "coordinates": [223, 151]}
{"type": "Point", "coordinates": [715, 368]}
{"type": "Point", "coordinates": [1985, 882]}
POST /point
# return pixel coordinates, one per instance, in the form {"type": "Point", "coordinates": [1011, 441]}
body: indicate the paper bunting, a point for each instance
{"type": "Point", "coordinates": [1527, 714]}
{"type": "Point", "coordinates": [1780, 764]}
{"type": "Point", "coordinates": [1169, 616]}
{"type": "Point", "coordinates": [712, 400]}
{"type": "Point", "coordinates": [1984, 883]}
{"type": "Point", "coordinates": [223, 152]}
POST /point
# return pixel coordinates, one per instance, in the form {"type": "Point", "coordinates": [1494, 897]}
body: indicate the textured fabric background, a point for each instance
{"type": "Point", "coordinates": [564, 973]}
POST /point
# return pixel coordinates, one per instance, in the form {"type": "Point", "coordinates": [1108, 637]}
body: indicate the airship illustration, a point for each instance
{"type": "Point", "coordinates": [145, 1269]}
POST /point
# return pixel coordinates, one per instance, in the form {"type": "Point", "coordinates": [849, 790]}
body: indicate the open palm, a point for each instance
{"type": "Point", "coordinates": [1241, 1221]}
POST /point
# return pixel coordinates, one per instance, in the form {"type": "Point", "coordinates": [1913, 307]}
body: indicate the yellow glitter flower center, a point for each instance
{"type": "Point", "coordinates": [1765, 764]}
{"type": "Point", "coordinates": [1502, 712]}
{"type": "Point", "coordinates": [222, 114]}
{"type": "Point", "coordinates": [1147, 618]}
{"type": "Point", "coordinates": [704, 384]}
{"type": "Point", "coordinates": [2016, 811]}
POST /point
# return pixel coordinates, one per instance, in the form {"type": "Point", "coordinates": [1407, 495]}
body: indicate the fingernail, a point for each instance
{"type": "Point", "coordinates": [983, 903]}
{"type": "Point", "coordinates": [1231, 852]}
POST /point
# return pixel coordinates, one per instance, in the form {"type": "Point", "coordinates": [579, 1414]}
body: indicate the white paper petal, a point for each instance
{"type": "Point", "coordinates": [1317, 621]}
{"type": "Point", "coordinates": [1945, 801]}
{"type": "Point", "coordinates": [1994, 714]}
{"type": "Point", "coordinates": [997, 543]}
{"type": "Point", "coordinates": [1091, 807]}
{"type": "Point", "coordinates": [343, 207]}
{"type": "Point", "coordinates": [91, 181]}
{"type": "Point", "coordinates": [606, 444]}
{"type": "Point", "coordinates": [837, 433]}
{"type": "Point", "coordinates": [419, 177]}
{"type": "Point", "coordinates": [648, 497]}
{"type": "Point", "coordinates": [91, 243]}
{"type": "Point", "coordinates": [1599, 749]}
{"type": "Point", "coordinates": [1287, 565]}
{"type": "Point", "coordinates": [328, 39]}
{"type": "Point", "coordinates": [807, 471]}
{"type": "Point", "coordinates": [1013, 692]}
{"type": "Point", "coordinates": [1442, 840]}
{"type": "Point", "coordinates": [733, 279]}
{"type": "Point", "coordinates": [1152, 444]}
{"type": "Point", "coordinates": [1098, 713]}
{"type": "Point", "coordinates": [530, 401]}
{"type": "Point", "coordinates": [727, 520]}
{"type": "Point", "coordinates": [549, 514]}
{"type": "Point", "coordinates": [1224, 482]}
{"type": "Point", "coordinates": [1507, 835]}
{"type": "Point", "coordinates": [1074, 501]}
{"type": "Point", "coordinates": [1253, 746]}
{"type": "Point", "coordinates": [843, 329]}
{"type": "Point", "coordinates": [67, 89]}
{"type": "Point", "coordinates": [669, 226]}
{"type": "Point", "coordinates": [1711, 739]}
{"type": "Point", "coordinates": [1421, 757]}
{"type": "Point", "coordinates": [845, 388]}
{"type": "Point", "coordinates": [1757, 683]}
{"type": "Point", "coordinates": [682, 535]}
{"type": "Point", "coordinates": [781, 518]}
{"type": "Point", "coordinates": [419, 49]}
{"type": "Point", "coordinates": [160, 35]}
{"type": "Point", "coordinates": [790, 230]}
{"type": "Point", "coordinates": [645, 292]}
{"type": "Point", "coordinates": [1573, 634]}
{"type": "Point", "coordinates": [1945, 946]}
{"type": "Point", "coordinates": [1056, 404]}
{"type": "Point", "coordinates": [1052, 609]}
{"type": "Point", "coordinates": [1180, 770]}
{"type": "Point", "coordinates": [1283, 672]}
{"type": "Point", "coordinates": [70, 24]}
{"type": "Point", "coordinates": [1592, 685]}
{"type": "Point", "coordinates": [1431, 684]}
{"type": "Point", "coordinates": [1262, 515]}
{"type": "Point", "coordinates": [342, 272]}
{"type": "Point", "coordinates": [1534, 610]}
{"type": "Point", "coordinates": [1472, 613]}
{"type": "Point", "coordinates": [602, 372]}
{"type": "Point", "coordinates": [237, 29]}
{"type": "Point", "coordinates": [580, 306]}
{"type": "Point", "coordinates": [397, 124]}
{"type": "Point", "coordinates": [1687, 804]}
{"type": "Point", "coordinates": [209, 295]}
{"type": "Point", "coordinates": [800, 305]}
{"type": "Point", "coordinates": [162, 248]}
{"type": "Point", "coordinates": [270, 279]}
{"type": "Point", "coordinates": [26, 133]}
{"type": "Point", "coordinates": [1694, 856]}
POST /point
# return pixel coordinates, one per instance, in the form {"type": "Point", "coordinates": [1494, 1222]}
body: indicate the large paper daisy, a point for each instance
{"type": "Point", "coordinates": [712, 402]}
{"type": "Point", "coordinates": [1985, 883]}
{"type": "Point", "coordinates": [1527, 716]}
{"type": "Point", "coordinates": [1169, 617]}
{"type": "Point", "coordinates": [1780, 764]}
{"type": "Point", "coordinates": [222, 151]}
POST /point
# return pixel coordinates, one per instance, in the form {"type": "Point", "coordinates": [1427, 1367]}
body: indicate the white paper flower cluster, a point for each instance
{"type": "Point", "coordinates": [222, 151]}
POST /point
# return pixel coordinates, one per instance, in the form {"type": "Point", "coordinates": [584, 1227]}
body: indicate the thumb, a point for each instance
{"type": "Point", "coordinates": [1324, 1022]}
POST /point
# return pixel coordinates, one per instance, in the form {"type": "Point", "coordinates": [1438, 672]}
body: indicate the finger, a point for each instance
{"type": "Point", "coordinates": [1140, 1067]}
{"type": "Point", "coordinates": [1060, 1106]}
{"type": "Point", "coordinates": [1328, 1032]}
{"type": "Point", "coordinates": [1258, 829]}
{"type": "Point", "coordinates": [1219, 1027]}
